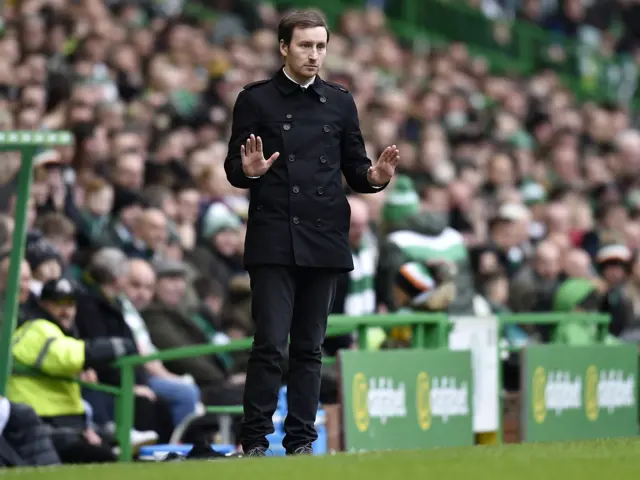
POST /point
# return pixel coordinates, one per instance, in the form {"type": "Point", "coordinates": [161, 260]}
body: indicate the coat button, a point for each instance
{"type": "Point", "coordinates": [286, 126]}
{"type": "Point", "coordinates": [296, 220]}
{"type": "Point", "coordinates": [325, 128]}
{"type": "Point", "coordinates": [319, 190]}
{"type": "Point", "coordinates": [259, 207]}
{"type": "Point", "coordinates": [323, 159]}
{"type": "Point", "coordinates": [289, 116]}
{"type": "Point", "coordinates": [318, 223]}
{"type": "Point", "coordinates": [296, 189]}
{"type": "Point", "coordinates": [292, 158]}
{"type": "Point", "coordinates": [323, 100]}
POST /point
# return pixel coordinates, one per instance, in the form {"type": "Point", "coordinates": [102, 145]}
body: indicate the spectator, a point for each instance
{"type": "Point", "coordinates": [101, 315]}
{"type": "Point", "coordinates": [25, 297]}
{"type": "Point", "coordinates": [171, 325]}
{"type": "Point", "coordinates": [180, 392]}
{"type": "Point", "coordinates": [60, 403]}
{"type": "Point", "coordinates": [577, 264]}
{"type": "Point", "coordinates": [533, 287]}
{"type": "Point", "coordinates": [6, 234]}
{"type": "Point", "coordinates": [25, 441]}
{"type": "Point", "coordinates": [45, 263]}
{"type": "Point", "coordinates": [60, 232]}
{"type": "Point", "coordinates": [355, 291]}
{"type": "Point", "coordinates": [614, 262]}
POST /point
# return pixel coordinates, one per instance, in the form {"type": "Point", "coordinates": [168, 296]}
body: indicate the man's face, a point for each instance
{"type": "Point", "coordinates": [614, 273]}
{"type": "Point", "coordinates": [64, 312]}
{"type": "Point", "coordinates": [547, 264]}
{"type": "Point", "coordinates": [65, 246]}
{"type": "Point", "coordinates": [25, 278]}
{"type": "Point", "coordinates": [49, 270]}
{"type": "Point", "coordinates": [25, 282]}
{"type": "Point", "coordinates": [34, 96]}
{"type": "Point", "coordinates": [226, 242]}
{"type": "Point", "coordinates": [188, 206]}
{"type": "Point", "coordinates": [306, 52]}
{"type": "Point", "coordinates": [155, 231]}
{"type": "Point", "coordinates": [126, 142]}
{"type": "Point", "coordinates": [140, 287]}
{"type": "Point", "coordinates": [130, 172]}
{"type": "Point", "coordinates": [359, 221]}
{"type": "Point", "coordinates": [170, 290]}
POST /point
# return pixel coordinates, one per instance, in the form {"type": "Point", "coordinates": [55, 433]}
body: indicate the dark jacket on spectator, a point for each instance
{"type": "Point", "coordinates": [99, 317]}
{"type": "Point", "coordinates": [26, 440]}
{"type": "Point", "coordinates": [171, 328]}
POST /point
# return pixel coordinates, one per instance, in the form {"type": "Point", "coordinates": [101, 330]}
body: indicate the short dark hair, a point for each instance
{"type": "Point", "coordinates": [54, 224]}
{"type": "Point", "coordinates": [300, 19]}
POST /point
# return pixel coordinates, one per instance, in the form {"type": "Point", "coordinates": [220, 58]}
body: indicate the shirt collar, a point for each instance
{"type": "Point", "coordinates": [287, 85]}
{"type": "Point", "coordinates": [305, 85]}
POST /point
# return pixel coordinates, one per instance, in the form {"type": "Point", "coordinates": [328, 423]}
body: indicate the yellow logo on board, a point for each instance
{"type": "Point", "coordinates": [592, 410]}
{"type": "Point", "coordinates": [423, 400]}
{"type": "Point", "coordinates": [538, 395]}
{"type": "Point", "coordinates": [360, 403]}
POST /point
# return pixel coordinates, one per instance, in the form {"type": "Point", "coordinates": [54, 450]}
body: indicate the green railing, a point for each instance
{"type": "Point", "coordinates": [429, 328]}
{"type": "Point", "coordinates": [28, 144]}
{"type": "Point", "coordinates": [429, 331]}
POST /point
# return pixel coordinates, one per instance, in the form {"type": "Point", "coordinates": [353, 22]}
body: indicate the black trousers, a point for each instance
{"type": "Point", "coordinates": [286, 301]}
{"type": "Point", "coordinates": [83, 452]}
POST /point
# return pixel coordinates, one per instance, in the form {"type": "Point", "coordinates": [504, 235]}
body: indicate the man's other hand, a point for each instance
{"type": "Point", "coordinates": [89, 376]}
{"type": "Point", "coordinates": [382, 172]}
{"type": "Point", "coordinates": [253, 162]}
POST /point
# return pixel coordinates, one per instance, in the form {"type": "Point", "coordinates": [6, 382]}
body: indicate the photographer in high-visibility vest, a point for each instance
{"type": "Point", "coordinates": [47, 344]}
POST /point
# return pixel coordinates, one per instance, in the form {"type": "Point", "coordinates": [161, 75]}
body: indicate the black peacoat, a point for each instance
{"type": "Point", "coordinates": [298, 213]}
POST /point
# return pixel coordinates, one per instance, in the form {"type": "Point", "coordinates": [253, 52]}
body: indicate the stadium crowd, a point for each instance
{"type": "Point", "coordinates": [515, 198]}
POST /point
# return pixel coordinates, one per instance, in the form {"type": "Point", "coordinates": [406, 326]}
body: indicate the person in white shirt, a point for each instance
{"type": "Point", "coordinates": [181, 392]}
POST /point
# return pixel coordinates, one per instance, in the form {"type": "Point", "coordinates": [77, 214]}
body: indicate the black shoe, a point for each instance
{"type": "Point", "coordinates": [256, 452]}
{"type": "Point", "coordinates": [303, 450]}
{"type": "Point", "coordinates": [174, 457]}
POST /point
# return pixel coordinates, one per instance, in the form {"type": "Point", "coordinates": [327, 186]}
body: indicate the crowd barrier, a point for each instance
{"type": "Point", "coordinates": [453, 364]}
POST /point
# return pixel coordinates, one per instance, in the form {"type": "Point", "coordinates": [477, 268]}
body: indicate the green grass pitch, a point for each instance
{"type": "Point", "coordinates": [597, 460]}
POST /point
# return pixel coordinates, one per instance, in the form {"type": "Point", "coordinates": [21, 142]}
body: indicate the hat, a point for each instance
{"type": "Point", "coordinates": [522, 140]}
{"type": "Point", "coordinates": [533, 193]}
{"type": "Point", "coordinates": [125, 198]}
{"type": "Point", "coordinates": [573, 293]}
{"type": "Point", "coordinates": [59, 290]}
{"type": "Point", "coordinates": [513, 212]}
{"type": "Point", "coordinates": [633, 199]}
{"type": "Point", "coordinates": [219, 217]}
{"type": "Point", "coordinates": [169, 268]}
{"type": "Point", "coordinates": [41, 251]}
{"type": "Point", "coordinates": [613, 252]}
{"type": "Point", "coordinates": [402, 200]}
{"type": "Point", "coordinates": [47, 157]}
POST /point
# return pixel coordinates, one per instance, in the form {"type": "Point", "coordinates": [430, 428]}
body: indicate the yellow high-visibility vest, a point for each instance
{"type": "Point", "coordinates": [43, 346]}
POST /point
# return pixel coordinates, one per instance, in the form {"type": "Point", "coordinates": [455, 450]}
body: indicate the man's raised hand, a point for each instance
{"type": "Point", "coordinates": [253, 162]}
{"type": "Point", "coordinates": [383, 170]}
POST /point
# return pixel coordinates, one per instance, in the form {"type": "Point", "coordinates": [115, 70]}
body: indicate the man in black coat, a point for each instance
{"type": "Point", "coordinates": [291, 138]}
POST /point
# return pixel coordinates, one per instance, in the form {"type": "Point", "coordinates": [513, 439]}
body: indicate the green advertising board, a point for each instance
{"type": "Point", "coordinates": [575, 393]}
{"type": "Point", "coordinates": [405, 399]}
